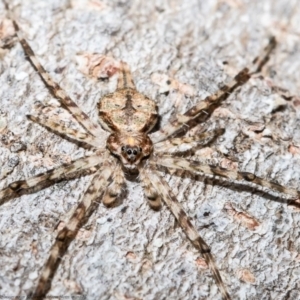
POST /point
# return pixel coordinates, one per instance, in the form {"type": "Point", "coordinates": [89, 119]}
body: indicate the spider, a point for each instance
{"type": "Point", "coordinates": [131, 149]}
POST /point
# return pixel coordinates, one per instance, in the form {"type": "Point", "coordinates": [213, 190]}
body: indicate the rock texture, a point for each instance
{"type": "Point", "coordinates": [131, 252]}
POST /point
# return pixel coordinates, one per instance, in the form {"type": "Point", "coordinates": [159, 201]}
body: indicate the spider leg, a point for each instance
{"type": "Point", "coordinates": [65, 236]}
{"type": "Point", "coordinates": [54, 87]}
{"type": "Point", "coordinates": [42, 180]}
{"type": "Point", "coordinates": [150, 192]}
{"type": "Point", "coordinates": [115, 188]}
{"type": "Point", "coordinates": [170, 199]}
{"type": "Point", "coordinates": [261, 60]}
{"type": "Point", "coordinates": [211, 101]}
{"type": "Point", "coordinates": [125, 80]}
{"type": "Point", "coordinates": [187, 143]}
{"type": "Point", "coordinates": [65, 132]}
{"type": "Point", "coordinates": [197, 166]}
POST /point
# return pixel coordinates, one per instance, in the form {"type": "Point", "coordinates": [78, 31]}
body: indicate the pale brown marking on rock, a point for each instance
{"type": "Point", "coordinates": [244, 219]}
{"type": "Point", "coordinates": [97, 65]}
{"type": "Point", "coordinates": [73, 286]}
{"type": "Point", "coordinates": [229, 164]}
{"type": "Point", "coordinates": [7, 32]}
{"type": "Point", "coordinates": [295, 150]}
{"type": "Point", "coordinates": [200, 262]}
{"type": "Point", "coordinates": [246, 275]}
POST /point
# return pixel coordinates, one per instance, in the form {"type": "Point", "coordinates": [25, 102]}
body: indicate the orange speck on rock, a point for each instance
{"type": "Point", "coordinates": [131, 255]}
{"type": "Point", "coordinates": [97, 65]}
{"type": "Point", "coordinates": [246, 276]}
{"type": "Point", "coordinates": [201, 263]}
{"type": "Point", "coordinates": [244, 219]}
{"type": "Point", "coordinates": [295, 150]}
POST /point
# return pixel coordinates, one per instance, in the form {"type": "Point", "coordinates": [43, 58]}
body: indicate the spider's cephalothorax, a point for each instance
{"type": "Point", "coordinates": [129, 115]}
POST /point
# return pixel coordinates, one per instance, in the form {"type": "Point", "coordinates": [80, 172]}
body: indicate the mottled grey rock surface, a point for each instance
{"type": "Point", "coordinates": [131, 252]}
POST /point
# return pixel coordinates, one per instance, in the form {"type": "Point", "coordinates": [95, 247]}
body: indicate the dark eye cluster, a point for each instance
{"type": "Point", "coordinates": [131, 150]}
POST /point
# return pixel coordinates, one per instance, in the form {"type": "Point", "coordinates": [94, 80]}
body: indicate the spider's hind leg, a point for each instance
{"type": "Point", "coordinates": [260, 61]}
{"type": "Point", "coordinates": [182, 218]}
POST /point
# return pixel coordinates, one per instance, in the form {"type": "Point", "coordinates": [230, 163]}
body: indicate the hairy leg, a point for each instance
{"type": "Point", "coordinates": [193, 113]}
{"type": "Point", "coordinates": [182, 218]}
{"type": "Point", "coordinates": [196, 166]}
{"type": "Point", "coordinates": [68, 233]}
{"type": "Point", "coordinates": [54, 87]}
{"type": "Point", "coordinates": [37, 182]}
{"type": "Point", "coordinates": [187, 143]}
{"type": "Point", "coordinates": [153, 198]}
{"type": "Point", "coordinates": [62, 130]}
{"type": "Point", "coordinates": [115, 188]}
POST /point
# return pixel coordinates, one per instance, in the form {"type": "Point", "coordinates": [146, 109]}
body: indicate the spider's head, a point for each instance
{"type": "Point", "coordinates": [130, 149]}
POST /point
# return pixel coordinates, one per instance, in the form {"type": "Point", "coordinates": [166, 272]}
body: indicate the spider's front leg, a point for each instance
{"type": "Point", "coordinates": [210, 102]}
{"type": "Point", "coordinates": [66, 235]}
{"type": "Point", "coordinates": [182, 218]}
{"type": "Point", "coordinates": [43, 180]}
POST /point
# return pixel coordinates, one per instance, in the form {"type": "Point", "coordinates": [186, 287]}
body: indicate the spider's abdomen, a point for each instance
{"type": "Point", "coordinates": [127, 110]}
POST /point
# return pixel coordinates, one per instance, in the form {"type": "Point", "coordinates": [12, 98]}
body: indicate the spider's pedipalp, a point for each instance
{"type": "Point", "coordinates": [42, 180]}
{"type": "Point", "coordinates": [114, 190]}
{"type": "Point", "coordinates": [153, 198]}
{"type": "Point", "coordinates": [182, 218]}
{"type": "Point", "coordinates": [197, 166]}
{"type": "Point", "coordinates": [69, 231]}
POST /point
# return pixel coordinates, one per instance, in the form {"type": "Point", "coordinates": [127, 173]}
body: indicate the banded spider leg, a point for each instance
{"type": "Point", "coordinates": [164, 191]}
{"type": "Point", "coordinates": [92, 129]}
{"type": "Point", "coordinates": [43, 180]}
{"type": "Point", "coordinates": [210, 102]}
{"type": "Point", "coordinates": [65, 236]}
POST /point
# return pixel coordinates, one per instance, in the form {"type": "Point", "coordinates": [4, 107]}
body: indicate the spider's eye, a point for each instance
{"type": "Point", "coordinates": [134, 152]}
{"type": "Point", "coordinates": [123, 148]}
{"type": "Point", "coordinates": [140, 149]}
{"type": "Point", "coordinates": [129, 151]}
